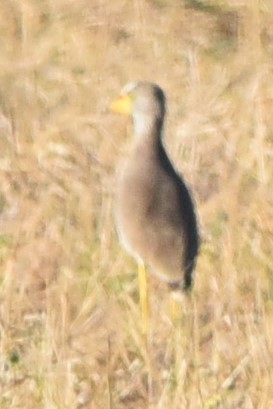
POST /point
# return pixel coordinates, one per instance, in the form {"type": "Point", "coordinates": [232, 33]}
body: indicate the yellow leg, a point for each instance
{"type": "Point", "coordinates": [176, 307]}
{"type": "Point", "coordinates": [143, 296]}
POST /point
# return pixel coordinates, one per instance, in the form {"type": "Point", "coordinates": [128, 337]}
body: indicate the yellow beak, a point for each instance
{"type": "Point", "coordinates": [122, 105]}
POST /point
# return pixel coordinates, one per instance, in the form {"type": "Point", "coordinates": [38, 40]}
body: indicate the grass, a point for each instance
{"type": "Point", "coordinates": [70, 330]}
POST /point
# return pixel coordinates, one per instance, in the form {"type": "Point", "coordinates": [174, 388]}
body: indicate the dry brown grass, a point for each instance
{"type": "Point", "coordinates": [70, 331]}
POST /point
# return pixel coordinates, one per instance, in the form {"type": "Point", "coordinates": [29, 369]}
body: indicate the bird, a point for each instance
{"type": "Point", "coordinates": [154, 210]}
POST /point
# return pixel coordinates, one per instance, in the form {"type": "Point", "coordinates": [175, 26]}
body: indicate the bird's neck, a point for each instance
{"type": "Point", "coordinates": [148, 135]}
{"type": "Point", "coordinates": [148, 127]}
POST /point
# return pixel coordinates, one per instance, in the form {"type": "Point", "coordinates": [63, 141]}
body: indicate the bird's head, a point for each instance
{"type": "Point", "coordinates": [144, 101]}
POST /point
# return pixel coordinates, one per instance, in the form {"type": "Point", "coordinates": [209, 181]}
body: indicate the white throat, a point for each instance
{"type": "Point", "coordinates": [144, 124]}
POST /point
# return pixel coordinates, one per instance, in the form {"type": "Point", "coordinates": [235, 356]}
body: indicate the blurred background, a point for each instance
{"type": "Point", "coordinates": [70, 322]}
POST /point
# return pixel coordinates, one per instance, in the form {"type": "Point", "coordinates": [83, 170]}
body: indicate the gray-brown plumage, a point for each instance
{"type": "Point", "coordinates": [154, 211]}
